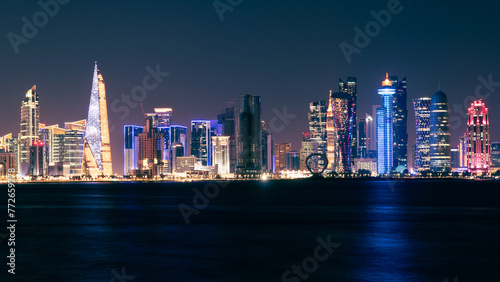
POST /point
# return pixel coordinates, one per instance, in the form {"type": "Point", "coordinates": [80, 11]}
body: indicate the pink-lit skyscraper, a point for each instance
{"type": "Point", "coordinates": [478, 138]}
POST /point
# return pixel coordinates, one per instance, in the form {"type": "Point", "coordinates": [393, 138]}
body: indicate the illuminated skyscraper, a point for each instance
{"type": "Point", "coordinates": [151, 148]}
{"type": "Point", "coordinates": [267, 149]}
{"type": "Point", "coordinates": [249, 137]}
{"type": "Point", "coordinates": [280, 155]}
{"type": "Point", "coordinates": [317, 124]}
{"type": "Point", "coordinates": [351, 89]}
{"type": "Point", "coordinates": [385, 129]}
{"type": "Point", "coordinates": [362, 138]}
{"type": "Point", "coordinates": [341, 111]}
{"type": "Point", "coordinates": [220, 153]}
{"type": "Point", "coordinates": [131, 148]}
{"type": "Point", "coordinates": [478, 136]}
{"type": "Point", "coordinates": [462, 150]}
{"type": "Point", "coordinates": [201, 141]}
{"type": "Point", "coordinates": [440, 134]}
{"type": "Point", "coordinates": [422, 107]}
{"type": "Point", "coordinates": [97, 148]}
{"type": "Point", "coordinates": [74, 142]}
{"type": "Point", "coordinates": [30, 120]}
{"type": "Point", "coordinates": [161, 117]}
{"type": "Point", "coordinates": [39, 159]}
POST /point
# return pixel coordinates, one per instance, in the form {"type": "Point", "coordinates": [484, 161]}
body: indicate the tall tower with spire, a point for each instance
{"type": "Point", "coordinates": [97, 148]}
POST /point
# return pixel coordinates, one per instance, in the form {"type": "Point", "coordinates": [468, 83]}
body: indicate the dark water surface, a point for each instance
{"type": "Point", "coordinates": [255, 231]}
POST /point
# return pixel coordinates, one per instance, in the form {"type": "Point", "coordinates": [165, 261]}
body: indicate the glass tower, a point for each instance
{"type": "Point", "coordinates": [422, 107]}
{"type": "Point", "coordinates": [30, 120]}
{"type": "Point", "coordinates": [249, 137]}
{"type": "Point", "coordinates": [131, 147]}
{"type": "Point", "coordinates": [440, 153]}
{"type": "Point", "coordinates": [97, 148]}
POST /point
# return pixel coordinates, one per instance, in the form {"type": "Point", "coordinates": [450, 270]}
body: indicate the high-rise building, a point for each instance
{"type": "Point", "coordinates": [249, 137]}
{"type": "Point", "coordinates": [53, 137]}
{"type": "Point", "coordinates": [201, 138]}
{"type": "Point", "coordinates": [495, 154]}
{"type": "Point", "coordinates": [74, 142]}
{"type": "Point", "coordinates": [230, 130]}
{"type": "Point", "coordinates": [440, 153]}
{"type": "Point", "coordinates": [317, 124]}
{"type": "Point", "coordinates": [478, 136]}
{"type": "Point", "coordinates": [161, 117]}
{"type": "Point", "coordinates": [385, 128]}
{"type": "Point", "coordinates": [29, 131]}
{"type": "Point", "coordinates": [280, 151]}
{"type": "Point", "coordinates": [131, 148]}
{"type": "Point", "coordinates": [7, 163]}
{"type": "Point", "coordinates": [10, 144]}
{"type": "Point", "coordinates": [400, 122]}
{"type": "Point", "coordinates": [177, 150]}
{"type": "Point", "coordinates": [362, 138]}
{"type": "Point", "coordinates": [97, 145]}
{"type": "Point", "coordinates": [422, 107]}
{"type": "Point", "coordinates": [455, 158]}
{"type": "Point", "coordinates": [151, 147]}
{"type": "Point", "coordinates": [340, 107]}
{"type": "Point", "coordinates": [462, 147]}
{"type": "Point", "coordinates": [220, 153]}
{"type": "Point", "coordinates": [293, 161]}
{"type": "Point", "coordinates": [267, 149]}
{"type": "Point", "coordinates": [351, 90]}
{"type": "Point", "coordinates": [39, 159]}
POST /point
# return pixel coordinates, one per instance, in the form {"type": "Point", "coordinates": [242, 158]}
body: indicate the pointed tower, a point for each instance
{"type": "Point", "coordinates": [97, 148]}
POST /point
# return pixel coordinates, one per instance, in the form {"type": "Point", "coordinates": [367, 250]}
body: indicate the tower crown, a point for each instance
{"type": "Point", "coordinates": [387, 82]}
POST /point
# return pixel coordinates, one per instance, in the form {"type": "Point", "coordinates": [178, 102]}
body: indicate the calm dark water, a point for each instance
{"type": "Point", "coordinates": [255, 231]}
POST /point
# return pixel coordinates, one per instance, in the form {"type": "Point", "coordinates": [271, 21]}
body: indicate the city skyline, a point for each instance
{"type": "Point", "coordinates": [292, 65]}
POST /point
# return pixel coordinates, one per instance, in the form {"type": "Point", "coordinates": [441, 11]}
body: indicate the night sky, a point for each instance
{"type": "Point", "coordinates": [287, 52]}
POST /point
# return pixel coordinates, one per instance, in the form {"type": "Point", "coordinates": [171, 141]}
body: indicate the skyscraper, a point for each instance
{"type": "Point", "coordinates": [267, 149]}
{"type": "Point", "coordinates": [74, 142]}
{"type": "Point", "coordinates": [39, 159]}
{"type": "Point", "coordinates": [362, 138]}
{"type": "Point", "coordinates": [220, 153]}
{"type": "Point", "coordinates": [422, 107]}
{"type": "Point", "coordinates": [201, 138]}
{"type": "Point", "coordinates": [29, 131]}
{"type": "Point", "coordinates": [317, 124]}
{"type": "Point", "coordinates": [249, 137]}
{"type": "Point", "coordinates": [230, 130]}
{"type": "Point", "coordinates": [281, 150]}
{"type": "Point", "coordinates": [385, 129]}
{"type": "Point", "coordinates": [151, 147]}
{"type": "Point", "coordinates": [462, 148]}
{"type": "Point", "coordinates": [131, 147]}
{"type": "Point", "coordinates": [340, 109]}
{"type": "Point", "coordinates": [478, 136]}
{"type": "Point", "coordinates": [97, 147]}
{"type": "Point", "coordinates": [161, 117]}
{"type": "Point", "coordinates": [400, 122]}
{"type": "Point", "coordinates": [440, 134]}
{"type": "Point", "coordinates": [351, 90]}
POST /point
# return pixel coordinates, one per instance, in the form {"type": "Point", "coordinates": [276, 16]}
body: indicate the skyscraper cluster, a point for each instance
{"type": "Point", "coordinates": [81, 148]}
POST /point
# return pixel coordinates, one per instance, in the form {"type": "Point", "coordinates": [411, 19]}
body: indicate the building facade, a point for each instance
{"type": "Point", "coordinates": [131, 148]}
{"type": "Point", "coordinates": [29, 128]}
{"type": "Point", "coordinates": [422, 107]}
{"type": "Point", "coordinates": [249, 137]}
{"type": "Point", "coordinates": [220, 153]}
{"type": "Point", "coordinates": [385, 128]}
{"type": "Point", "coordinates": [440, 153]}
{"type": "Point", "coordinates": [97, 147]}
{"type": "Point", "coordinates": [478, 138]}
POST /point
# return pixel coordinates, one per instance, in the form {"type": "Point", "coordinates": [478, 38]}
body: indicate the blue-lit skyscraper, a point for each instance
{"type": "Point", "coordinates": [385, 130]}
{"type": "Point", "coordinates": [201, 140]}
{"type": "Point", "coordinates": [131, 147]}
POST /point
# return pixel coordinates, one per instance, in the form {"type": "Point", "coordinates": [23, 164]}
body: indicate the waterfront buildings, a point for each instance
{"type": "Point", "coordinates": [495, 154]}
{"type": "Point", "coordinates": [340, 110]}
{"type": "Point", "coordinates": [292, 161]}
{"type": "Point", "coordinates": [151, 148]}
{"type": "Point", "coordinates": [478, 138]}
{"type": "Point", "coordinates": [267, 150]}
{"type": "Point", "coordinates": [351, 89]}
{"type": "Point", "coordinates": [97, 146]}
{"type": "Point", "coordinates": [440, 152]}
{"type": "Point", "coordinates": [400, 122]}
{"type": "Point", "coordinates": [200, 141]}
